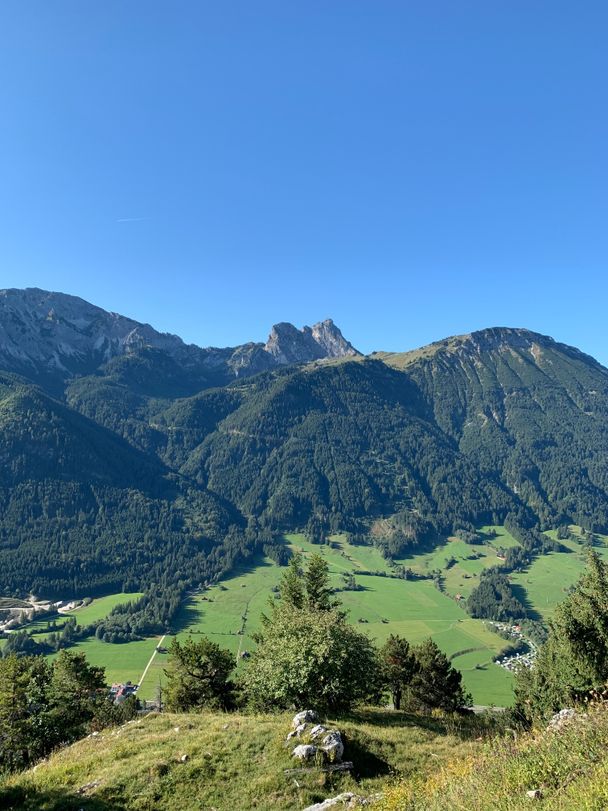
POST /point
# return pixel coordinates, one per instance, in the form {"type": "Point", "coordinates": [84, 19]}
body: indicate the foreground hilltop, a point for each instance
{"type": "Point", "coordinates": [401, 763]}
{"type": "Point", "coordinates": [229, 761]}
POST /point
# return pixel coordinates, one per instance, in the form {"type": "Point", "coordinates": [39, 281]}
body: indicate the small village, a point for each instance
{"type": "Point", "coordinates": [15, 615]}
{"type": "Point", "coordinates": [513, 662]}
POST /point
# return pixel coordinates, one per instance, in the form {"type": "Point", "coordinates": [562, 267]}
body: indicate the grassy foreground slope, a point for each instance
{"type": "Point", "coordinates": [229, 613]}
{"type": "Point", "coordinates": [233, 762]}
{"type": "Point", "coordinates": [567, 768]}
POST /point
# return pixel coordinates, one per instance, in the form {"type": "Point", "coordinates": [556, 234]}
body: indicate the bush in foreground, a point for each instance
{"type": "Point", "coordinates": [310, 658]}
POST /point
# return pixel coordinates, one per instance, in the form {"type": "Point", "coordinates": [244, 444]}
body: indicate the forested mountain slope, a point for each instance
{"type": "Point", "coordinates": [111, 478]}
{"type": "Point", "coordinates": [527, 409]}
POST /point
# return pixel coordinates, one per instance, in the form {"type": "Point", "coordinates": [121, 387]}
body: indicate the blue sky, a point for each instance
{"type": "Point", "coordinates": [412, 169]}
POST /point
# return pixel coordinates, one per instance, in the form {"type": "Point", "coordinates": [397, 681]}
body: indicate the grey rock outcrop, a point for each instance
{"type": "Point", "coordinates": [333, 746]}
{"type": "Point", "coordinates": [318, 739]}
{"type": "Point", "coordinates": [305, 751]}
{"type": "Point", "coordinates": [561, 719]}
{"type": "Point", "coordinates": [345, 800]}
{"type": "Point", "coordinates": [304, 717]}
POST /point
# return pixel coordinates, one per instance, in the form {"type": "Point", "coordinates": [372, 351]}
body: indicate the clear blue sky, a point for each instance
{"type": "Point", "coordinates": [413, 169]}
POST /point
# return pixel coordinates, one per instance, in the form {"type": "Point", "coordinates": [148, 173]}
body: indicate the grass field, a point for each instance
{"type": "Point", "coordinates": [548, 580]}
{"type": "Point", "coordinates": [125, 662]}
{"type": "Point", "coordinates": [230, 612]}
{"type": "Point", "coordinates": [96, 610]}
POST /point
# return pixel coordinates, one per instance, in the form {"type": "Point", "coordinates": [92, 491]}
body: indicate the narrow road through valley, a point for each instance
{"type": "Point", "coordinates": [154, 652]}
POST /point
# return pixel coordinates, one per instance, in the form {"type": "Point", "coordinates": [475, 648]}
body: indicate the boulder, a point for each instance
{"type": "Point", "coordinates": [305, 751]}
{"type": "Point", "coordinates": [345, 800]}
{"type": "Point", "coordinates": [333, 746]}
{"type": "Point", "coordinates": [317, 731]}
{"type": "Point", "coordinates": [297, 732]}
{"type": "Point", "coordinates": [304, 717]}
{"type": "Point", "coordinates": [562, 718]}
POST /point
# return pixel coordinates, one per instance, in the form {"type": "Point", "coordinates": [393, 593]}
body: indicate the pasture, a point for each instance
{"type": "Point", "coordinates": [547, 581]}
{"type": "Point", "coordinates": [229, 613]}
{"type": "Point", "coordinates": [97, 609]}
{"type": "Point", "coordinates": [461, 563]}
{"type": "Point", "coordinates": [124, 662]}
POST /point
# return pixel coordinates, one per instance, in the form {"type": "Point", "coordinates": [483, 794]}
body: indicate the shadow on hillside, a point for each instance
{"type": "Point", "coordinates": [187, 616]}
{"type": "Point", "coordinates": [464, 727]}
{"type": "Point", "coordinates": [522, 595]}
{"type": "Point", "coordinates": [423, 547]}
{"type": "Point", "coordinates": [367, 764]}
{"type": "Point", "coordinates": [189, 613]}
{"type": "Point", "coordinates": [248, 566]}
{"type": "Point", "coordinates": [34, 799]}
{"type": "Point", "coordinates": [395, 718]}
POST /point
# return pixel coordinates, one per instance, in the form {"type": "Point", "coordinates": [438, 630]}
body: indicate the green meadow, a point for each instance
{"type": "Point", "coordinates": [461, 563]}
{"type": "Point", "coordinates": [540, 587]}
{"type": "Point", "coordinates": [125, 662]}
{"type": "Point", "coordinates": [229, 613]}
{"type": "Point", "coordinates": [122, 663]}
{"type": "Point", "coordinates": [97, 609]}
{"type": "Point", "coordinates": [547, 581]}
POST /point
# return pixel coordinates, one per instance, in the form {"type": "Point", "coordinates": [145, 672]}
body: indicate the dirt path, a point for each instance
{"type": "Point", "coordinates": [158, 645]}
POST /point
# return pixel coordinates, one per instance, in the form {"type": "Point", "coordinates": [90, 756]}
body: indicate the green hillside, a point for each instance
{"type": "Point", "coordinates": [233, 762]}
{"type": "Point", "coordinates": [407, 763]}
{"type": "Point", "coordinates": [565, 770]}
{"type": "Point", "coordinates": [114, 484]}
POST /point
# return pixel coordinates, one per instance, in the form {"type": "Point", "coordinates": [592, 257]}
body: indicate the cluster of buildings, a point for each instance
{"type": "Point", "coordinates": [119, 692]}
{"type": "Point", "coordinates": [514, 661]}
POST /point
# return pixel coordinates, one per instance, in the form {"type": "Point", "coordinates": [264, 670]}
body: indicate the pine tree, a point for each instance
{"type": "Point", "coordinates": [436, 683]}
{"type": "Point", "coordinates": [316, 583]}
{"type": "Point", "coordinates": [573, 662]}
{"type": "Point", "coordinates": [399, 666]}
{"type": "Point", "coordinates": [198, 676]}
{"type": "Point", "coordinates": [292, 586]}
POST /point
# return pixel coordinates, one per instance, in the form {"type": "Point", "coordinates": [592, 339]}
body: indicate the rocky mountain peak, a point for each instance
{"type": "Point", "coordinates": [287, 344]}
{"type": "Point", "coordinates": [42, 331]}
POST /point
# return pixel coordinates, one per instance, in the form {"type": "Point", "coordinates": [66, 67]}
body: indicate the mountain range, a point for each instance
{"type": "Point", "coordinates": [53, 337]}
{"type": "Point", "coordinates": [130, 458]}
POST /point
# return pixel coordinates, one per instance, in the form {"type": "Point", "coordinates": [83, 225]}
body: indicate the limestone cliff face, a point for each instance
{"type": "Point", "coordinates": [55, 337]}
{"type": "Point", "coordinates": [53, 332]}
{"type": "Point", "coordinates": [287, 344]}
